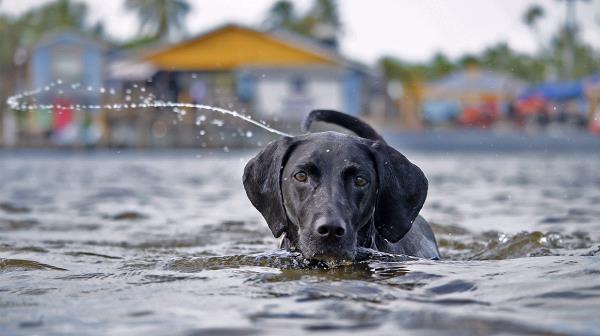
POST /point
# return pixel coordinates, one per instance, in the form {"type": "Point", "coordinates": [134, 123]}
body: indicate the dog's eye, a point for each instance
{"type": "Point", "coordinates": [360, 181]}
{"type": "Point", "coordinates": [301, 176]}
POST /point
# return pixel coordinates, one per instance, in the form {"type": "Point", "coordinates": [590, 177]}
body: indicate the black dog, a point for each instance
{"type": "Point", "coordinates": [330, 193]}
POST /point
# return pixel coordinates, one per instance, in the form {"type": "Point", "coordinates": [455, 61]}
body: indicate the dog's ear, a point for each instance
{"type": "Point", "coordinates": [262, 181]}
{"type": "Point", "coordinates": [401, 192]}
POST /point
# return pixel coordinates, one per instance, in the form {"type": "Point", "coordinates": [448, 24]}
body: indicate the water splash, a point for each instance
{"type": "Point", "coordinates": [17, 102]}
{"type": "Point", "coordinates": [280, 259]}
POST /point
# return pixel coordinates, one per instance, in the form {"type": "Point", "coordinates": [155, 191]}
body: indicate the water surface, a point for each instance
{"type": "Point", "coordinates": [167, 243]}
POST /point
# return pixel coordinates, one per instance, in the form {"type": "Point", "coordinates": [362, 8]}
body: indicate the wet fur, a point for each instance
{"type": "Point", "coordinates": [383, 215]}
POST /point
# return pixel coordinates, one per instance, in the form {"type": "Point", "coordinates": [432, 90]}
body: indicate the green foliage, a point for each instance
{"type": "Point", "coordinates": [25, 30]}
{"type": "Point", "coordinates": [565, 45]}
{"type": "Point", "coordinates": [325, 11]}
{"type": "Point", "coordinates": [503, 59]}
{"type": "Point", "coordinates": [565, 57]}
{"type": "Point", "coordinates": [533, 14]}
{"type": "Point", "coordinates": [19, 34]}
{"type": "Point", "coordinates": [159, 18]}
{"type": "Point", "coordinates": [281, 14]}
{"type": "Point", "coordinates": [323, 14]}
{"type": "Point", "coordinates": [500, 57]}
{"type": "Point", "coordinates": [139, 42]}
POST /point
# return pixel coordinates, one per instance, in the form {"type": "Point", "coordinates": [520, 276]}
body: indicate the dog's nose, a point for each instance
{"type": "Point", "coordinates": [331, 229]}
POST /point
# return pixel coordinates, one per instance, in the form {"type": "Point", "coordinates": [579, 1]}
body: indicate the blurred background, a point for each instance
{"type": "Point", "coordinates": [115, 219]}
{"type": "Point", "coordinates": [450, 74]}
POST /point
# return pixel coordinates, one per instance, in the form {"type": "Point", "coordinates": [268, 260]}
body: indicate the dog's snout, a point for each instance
{"type": "Point", "coordinates": [330, 228]}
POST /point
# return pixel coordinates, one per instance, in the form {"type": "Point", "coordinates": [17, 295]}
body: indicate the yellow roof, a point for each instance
{"type": "Point", "coordinates": [231, 47]}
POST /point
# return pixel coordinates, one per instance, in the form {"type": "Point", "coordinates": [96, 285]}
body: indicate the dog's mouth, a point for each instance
{"type": "Point", "coordinates": [329, 255]}
{"type": "Point", "coordinates": [326, 249]}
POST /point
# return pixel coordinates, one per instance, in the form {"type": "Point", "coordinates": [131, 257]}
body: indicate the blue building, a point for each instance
{"type": "Point", "coordinates": [69, 68]}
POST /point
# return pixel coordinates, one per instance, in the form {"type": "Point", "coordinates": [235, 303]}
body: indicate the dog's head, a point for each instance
{"type": "Point", "coordinates": [323, 189]}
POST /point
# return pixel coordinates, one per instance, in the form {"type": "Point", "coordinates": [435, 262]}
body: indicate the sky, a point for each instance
{"type": "Point", "coordinates": [410, 30]}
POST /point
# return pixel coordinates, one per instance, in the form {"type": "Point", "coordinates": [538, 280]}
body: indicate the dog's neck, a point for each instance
{"type": "Point", "coordinates": [366, 235]}
{"type": "Point", "coordinates": [289, 239]}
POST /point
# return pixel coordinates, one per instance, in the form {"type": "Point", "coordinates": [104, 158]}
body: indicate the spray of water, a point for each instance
{"type": "Point", "coordinates": [18, 102]}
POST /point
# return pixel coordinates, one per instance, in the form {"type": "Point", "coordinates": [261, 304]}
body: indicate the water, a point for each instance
{"type": "Point", "coordinates": [27, 101]}
{"type": "Point", "coordinates": [167, 243]}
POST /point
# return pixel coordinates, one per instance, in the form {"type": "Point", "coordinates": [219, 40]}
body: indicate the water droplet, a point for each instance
{"type": "Point", "coordinates": [217, 122]}
{"type": "Point", "coordinates": [148, 102]}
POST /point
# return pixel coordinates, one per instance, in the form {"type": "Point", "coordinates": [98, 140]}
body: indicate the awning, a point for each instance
{"type": "Point", "coordinates": [556, 91]}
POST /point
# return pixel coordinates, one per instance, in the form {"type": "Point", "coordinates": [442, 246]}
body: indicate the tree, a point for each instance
{"type": "Point", "coordinates": [572, 57]}
{"type": "Point", "coordinates": [531, 17]}
{"type": "Point", "coordinates": [326, 25]}
{"type": "Point", "coordinates": [567, 38]}
{"type": "Point", "coordinates": [322, 20]}
{"type": "Point", "coordinates": [160, 18]}
{"type": "Point", "coordinates": [326, 11]}
{"type": "Point", "coordinates": [412, 77]}
{"type": "Point", "coordinates": [22, 32]}
{"type": "Point", "coordinates": [19, 34]}
{"type": "Point", "coordinates": [440, 66]}
{"type": "Point", "coordinates": [281, 14]}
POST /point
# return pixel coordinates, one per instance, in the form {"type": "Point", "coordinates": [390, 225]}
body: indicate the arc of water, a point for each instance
{"type": "Point", "coordinates": [15, 103]}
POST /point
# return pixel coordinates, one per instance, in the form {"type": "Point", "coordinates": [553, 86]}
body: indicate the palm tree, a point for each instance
{"type": "Point", "coordinates": [531, 17]}
{"type": "Point", "coordinates": [326, 11]}
{"type": "Point", "coordinates": [322, 22]}
{"type": "Point", "coordinates": [160, 18]}
{"type": "Point", "coordinates": [281, 15]}
{"type": "Point", "coordinates": [569, 34]}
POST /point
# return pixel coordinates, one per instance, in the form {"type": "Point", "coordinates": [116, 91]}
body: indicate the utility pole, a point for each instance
{"type": "Point", "coordinates": [570, 31]}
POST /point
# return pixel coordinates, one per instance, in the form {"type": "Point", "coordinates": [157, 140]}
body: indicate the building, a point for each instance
{"type": "Point", "coordinates": [78, 62]}
{"type": "Point", "coordinates": [276, 77]}
{"type": "Point", "coordinates": [472, 97]}
{"type": "Point", "coordinates": [273, 76]}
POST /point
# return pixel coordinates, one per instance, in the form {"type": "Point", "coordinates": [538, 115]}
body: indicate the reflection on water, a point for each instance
{"type": "Point", "coordinates": [167, 243]}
